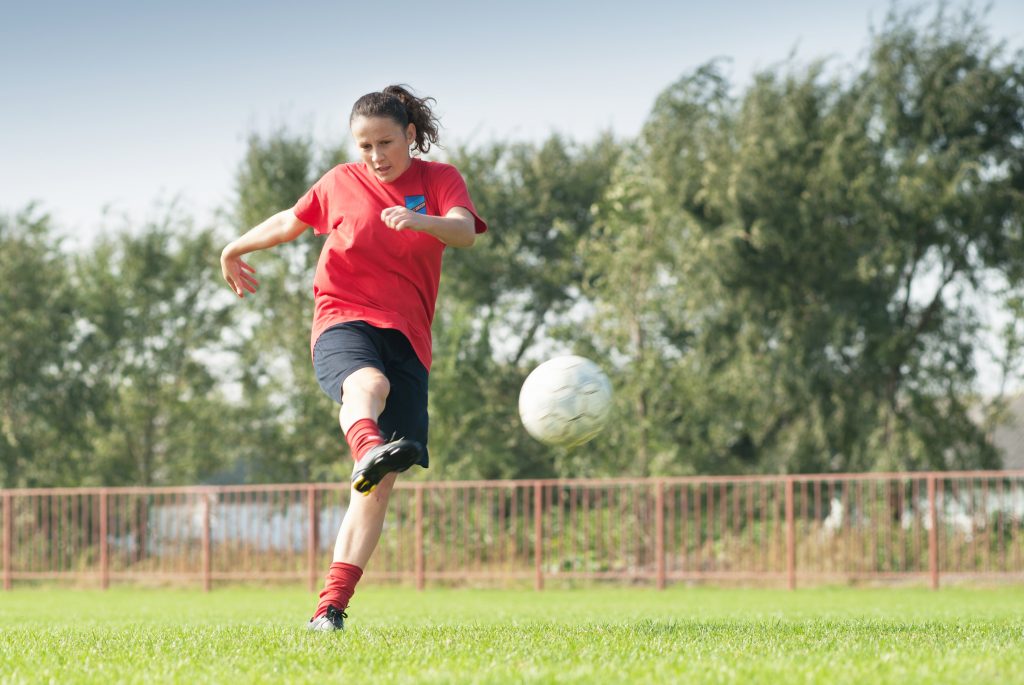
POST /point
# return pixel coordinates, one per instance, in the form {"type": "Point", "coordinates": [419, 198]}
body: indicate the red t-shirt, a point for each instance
{"type": "Point", "coordinates": [369, 272]}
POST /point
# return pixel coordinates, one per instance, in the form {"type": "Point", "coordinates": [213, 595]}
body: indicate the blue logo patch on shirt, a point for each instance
{"type": "Point", "coordinates": [416, 203]}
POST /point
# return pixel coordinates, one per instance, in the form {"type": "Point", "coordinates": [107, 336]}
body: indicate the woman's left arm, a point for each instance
{"type": "Point", "coordinates": [457, 228]}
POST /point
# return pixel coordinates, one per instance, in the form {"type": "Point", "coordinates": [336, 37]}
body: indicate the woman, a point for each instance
{"type": "Point", "coordinates": [388, 219]}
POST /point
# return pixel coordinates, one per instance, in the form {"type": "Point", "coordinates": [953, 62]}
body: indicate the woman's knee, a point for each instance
{"type": "Point", "coordinates": [367, 381]}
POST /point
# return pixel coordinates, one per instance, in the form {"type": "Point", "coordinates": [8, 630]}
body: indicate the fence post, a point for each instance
{"type": "Point", "coordinates": [421, 581]}
{"type": "Point", "coordinates": [313, 536]}
{"type": "Point", "coordinates": [8, 539]}
{"type": "Point", "coordinates": [538, 535]}
{"type": "Point", "coordinates": [104, 534]}
{"type": "Point", "coordinates": [790, 536]}
{"type": "Point", "coordinates": [207, 565]}
{"type": "Point", "coordinates": [659, 532]}
{"type": "Point", "coordinates": [933, 532]}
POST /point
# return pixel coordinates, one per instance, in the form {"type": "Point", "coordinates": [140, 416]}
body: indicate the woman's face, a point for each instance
{"type": "Point", "coordinates": [383, 145]}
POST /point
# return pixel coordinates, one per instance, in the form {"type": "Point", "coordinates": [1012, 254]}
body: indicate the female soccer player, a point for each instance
{"type": "Point", "coordinates": [388, 219]}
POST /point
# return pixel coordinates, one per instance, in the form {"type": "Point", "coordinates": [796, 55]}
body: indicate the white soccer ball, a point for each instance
{"type": "Point", "coordinates": [565, 401]}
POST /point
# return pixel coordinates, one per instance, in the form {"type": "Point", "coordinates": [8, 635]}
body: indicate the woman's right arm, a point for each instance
{"type": "Point", "coordinates": [280, 228]}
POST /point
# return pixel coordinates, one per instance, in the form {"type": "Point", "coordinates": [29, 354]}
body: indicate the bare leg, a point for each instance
{"type": "Point", "coordinates": [364, 394]}
{"type": "Point", "coordinates": [362, 525]}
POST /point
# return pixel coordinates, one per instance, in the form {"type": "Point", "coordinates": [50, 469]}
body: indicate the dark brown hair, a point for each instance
{"type": "Point", "coordinates": [398, 104]}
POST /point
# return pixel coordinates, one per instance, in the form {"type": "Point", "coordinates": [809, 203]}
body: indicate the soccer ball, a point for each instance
{"type": "Point", "coordinates": [565, 401]}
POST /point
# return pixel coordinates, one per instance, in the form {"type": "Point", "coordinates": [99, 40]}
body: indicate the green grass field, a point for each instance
{"type": "Point", "coordinates": [396, 635]}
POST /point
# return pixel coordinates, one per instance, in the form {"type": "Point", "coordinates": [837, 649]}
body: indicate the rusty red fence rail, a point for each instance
{"type": "Point", "coordinates": [780, 529]}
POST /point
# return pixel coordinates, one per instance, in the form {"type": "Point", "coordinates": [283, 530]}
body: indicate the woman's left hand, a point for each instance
{"type": "Point", "coordinates": [400, 219]}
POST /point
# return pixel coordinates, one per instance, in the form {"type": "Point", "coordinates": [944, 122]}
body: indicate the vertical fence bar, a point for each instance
{"type": "Point", "coordinates": [420, 566]}
{"type": "Point", "coordinates": [790, 536]}
{"type": "Point", "coordinates": [659, 532]}
{"type": "Point", "coordinates": [8, 539]}
{"type": "Point", "coordinates": [104, 535]}
{"type": "Point", "coordinates": [933, 534]}
{"type": "Point", "coordinates": [312, 537]}
{"type": "Point", "coordinates": [1017, 529]}
{"type": "Point", "coordinates": [538, 535]}
{"type": "Point", "coordinates": [972, 496]}
{"type": "Point", "coordinates": [207, 560]}
{"type": "Point", "coordinates": [1000, 528]}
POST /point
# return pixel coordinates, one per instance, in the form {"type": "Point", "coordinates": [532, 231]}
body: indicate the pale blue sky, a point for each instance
{"type": "Point", "coordinates": [123, 103]}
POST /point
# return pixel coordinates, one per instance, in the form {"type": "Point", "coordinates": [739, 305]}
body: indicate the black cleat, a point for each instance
{"type": "Point", "coordinates": [391, 457]}
{"type": "Point", "coordinates": [331, 621]}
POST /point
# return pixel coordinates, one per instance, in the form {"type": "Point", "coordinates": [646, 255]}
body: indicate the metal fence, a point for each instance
{"type": "Point", "coordinates": [782, 529]}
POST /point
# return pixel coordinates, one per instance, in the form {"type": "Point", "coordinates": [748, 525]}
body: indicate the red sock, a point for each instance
{"type": "Point", "coordinates": [363, 435]}
{"type": "Point", "coordinates": [341, 583]}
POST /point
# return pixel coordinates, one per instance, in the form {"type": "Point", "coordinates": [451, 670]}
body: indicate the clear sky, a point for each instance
{"type": "Point", "coordinates": [125, 103]}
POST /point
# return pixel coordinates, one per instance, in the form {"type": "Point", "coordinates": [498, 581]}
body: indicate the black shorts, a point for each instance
{"type": "Point", "coordinates": [343, 349]}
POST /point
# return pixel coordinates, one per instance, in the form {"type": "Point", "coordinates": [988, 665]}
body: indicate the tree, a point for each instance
{"type": "Point", "coordinates": [849, 229]}
{"type": "Point", "coordinates": [148, 332]}
{"type": "Point", "coordinates": [40, 395]}
{"type": "Point", "coordinates": [642, 322]}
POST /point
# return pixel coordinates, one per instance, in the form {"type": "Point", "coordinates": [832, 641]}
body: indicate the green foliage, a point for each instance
{"type": "Point", "coordinates": [150, 322]}
{"type": "Point", "coordinates": [850, 229]}
{"type": "Point", "coordinates": [640, 285]}
{"type": "Point", "coordinates": [39, 390]}
{"type": "Point", "coordinates": [109, 357]}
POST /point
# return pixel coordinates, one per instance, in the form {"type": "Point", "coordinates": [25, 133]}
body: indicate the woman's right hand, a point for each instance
{"type": "Point", "coordinates": [237, 273]}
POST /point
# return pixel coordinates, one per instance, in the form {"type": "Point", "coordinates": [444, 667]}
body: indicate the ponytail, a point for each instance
{"type": "Point", "coordinates": [398, 104]}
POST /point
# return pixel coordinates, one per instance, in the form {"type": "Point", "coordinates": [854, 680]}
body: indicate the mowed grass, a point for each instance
{"type": "Point", "coordinates": [397, 635]}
